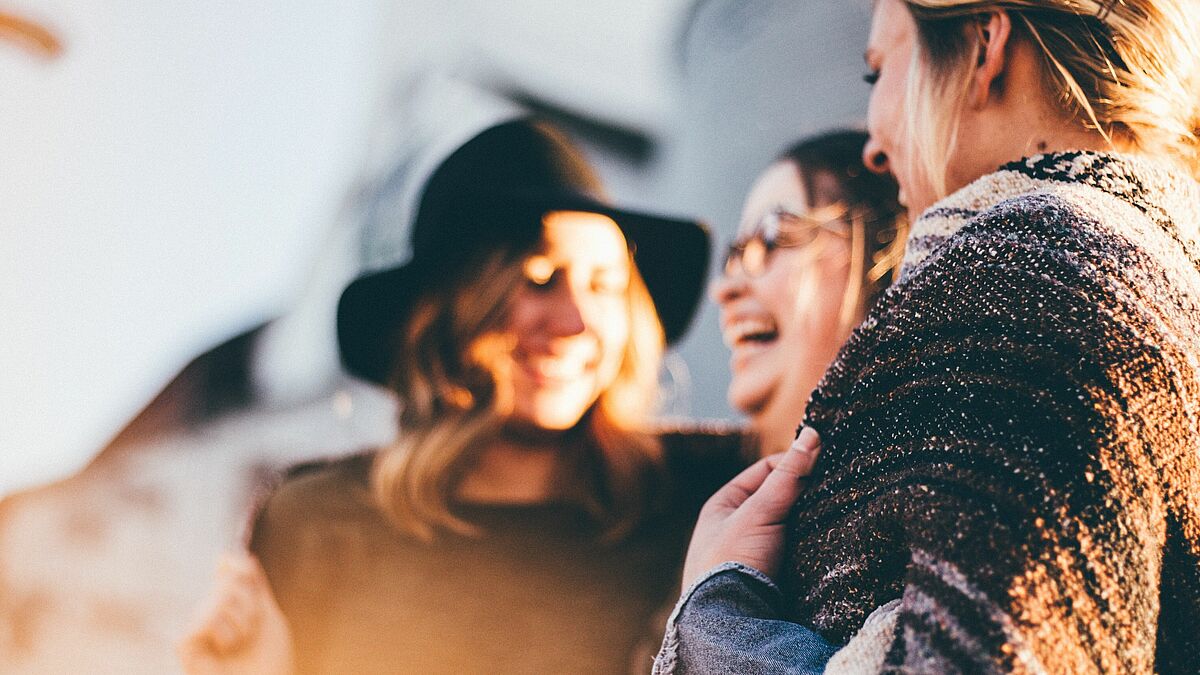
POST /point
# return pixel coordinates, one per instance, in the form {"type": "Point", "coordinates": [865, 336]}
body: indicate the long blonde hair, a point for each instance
{"type": "Point", "coordinates": [1128, 69]}
{"type": "Point", "coordinates": [452, 405]}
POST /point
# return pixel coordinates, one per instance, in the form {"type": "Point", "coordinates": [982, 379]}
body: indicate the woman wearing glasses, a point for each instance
{"type": "Point", "coordinates": [819, 239]}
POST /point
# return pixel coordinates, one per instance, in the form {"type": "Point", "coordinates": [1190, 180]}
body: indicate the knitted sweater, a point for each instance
{"type": "Point", "coordinates": [1011, 438]}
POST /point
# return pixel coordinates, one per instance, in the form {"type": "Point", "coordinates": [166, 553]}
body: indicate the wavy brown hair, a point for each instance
{"type": "Point", "coordinates": [877, 222]}
{"type": "Point", "coordinates": [453, 403]}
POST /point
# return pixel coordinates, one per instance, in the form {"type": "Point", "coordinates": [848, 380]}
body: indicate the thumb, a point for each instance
{"type": "Point", "coordinates": [802, 455]}
{"type": "Point", "coordinates": [783, 486]}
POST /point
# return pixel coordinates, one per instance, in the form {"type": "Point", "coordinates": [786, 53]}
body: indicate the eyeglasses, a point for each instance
{"type": "Point", "coordinates": [780, 228]}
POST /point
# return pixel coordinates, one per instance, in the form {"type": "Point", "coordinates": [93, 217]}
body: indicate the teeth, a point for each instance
{"type": "Point", "coordinates": [740, 330]}
{"type": "Point", "coordinates": [558, 369]}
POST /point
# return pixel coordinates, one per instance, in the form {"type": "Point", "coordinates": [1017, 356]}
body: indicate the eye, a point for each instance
{"type": "Point", "coordinates": [610, 283]}
{"type": "Point", "coordinates": [871, 77]}
{"type": "Point", "coordinates": [539, 271]}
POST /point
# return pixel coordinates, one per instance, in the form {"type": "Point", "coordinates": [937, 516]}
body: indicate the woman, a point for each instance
{"type": "Point", "coordinates": [526, 519]}
{"type": "Point", "coordinates": [1008, 464]}
{"type": "Point", "coordinates": [819, 240]}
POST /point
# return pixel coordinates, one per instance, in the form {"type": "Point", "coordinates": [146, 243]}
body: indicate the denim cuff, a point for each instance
{"type": "Point", "coordinates": [666, 662]}
{"type": "Point", "coordinates": [732, 621]}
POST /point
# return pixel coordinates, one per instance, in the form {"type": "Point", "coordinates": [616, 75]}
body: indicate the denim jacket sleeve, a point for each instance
{"type": "Point", "coordinates": [729, 622]}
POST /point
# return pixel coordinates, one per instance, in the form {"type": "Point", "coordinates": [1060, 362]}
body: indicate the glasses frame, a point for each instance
{"type": "Point", "coordinates": [752, 253]}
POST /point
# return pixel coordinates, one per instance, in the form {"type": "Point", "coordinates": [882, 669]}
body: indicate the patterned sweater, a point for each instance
{"type": "Point", "coordinates": [1011, 440]}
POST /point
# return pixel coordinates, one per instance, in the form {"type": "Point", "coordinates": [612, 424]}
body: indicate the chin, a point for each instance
{"type": "Point", "coordinates": [552, 406]}
{"type": "Point", "coordinates": [749, 398]}
{"type": "Point", "coordinates": [555, 415]}
{"type": "Point", "coordinates": [555, 422]}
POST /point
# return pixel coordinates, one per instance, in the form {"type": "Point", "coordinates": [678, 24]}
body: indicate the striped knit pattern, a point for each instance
{"type": "Point", "coordinates": [1011, 440]}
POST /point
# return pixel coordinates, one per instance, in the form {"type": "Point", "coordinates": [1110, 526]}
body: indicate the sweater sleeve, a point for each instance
{"type": "Point", "coordinates": [994, 447]}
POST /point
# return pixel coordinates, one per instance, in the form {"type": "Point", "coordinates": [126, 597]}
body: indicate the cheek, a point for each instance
{"type": "Point", "coordinates": [883, 120]}
{"type": "Point", "coordinates": [786, 289]}
{"type": "Point", "coordinates": [812, 307]}
{"type": "Point", "coordinates": [612, 330]}
{"type": "Point", "coordinates": [875, 115]}
{"type": "Point", "coordinates": [522, 315]}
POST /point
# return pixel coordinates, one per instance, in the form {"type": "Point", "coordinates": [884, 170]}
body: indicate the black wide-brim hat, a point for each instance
{"type": "Point", "coordinates": [492, 193]}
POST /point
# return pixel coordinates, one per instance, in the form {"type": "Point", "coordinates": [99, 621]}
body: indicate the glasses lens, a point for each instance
{"type": "Point", "coordinates": [754, 256]}
{"type": "Point", "coordinates": [802, 229]}
{"type": "Point", "coordinates": [750, 255]}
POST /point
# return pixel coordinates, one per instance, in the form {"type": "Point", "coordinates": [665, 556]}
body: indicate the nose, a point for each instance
{"type": "Point", "coordinates": [727, 287]}
{"type": "Point", "coordinates": [565, 313]}
{"type": "Point", "coordinates": [874, 158]}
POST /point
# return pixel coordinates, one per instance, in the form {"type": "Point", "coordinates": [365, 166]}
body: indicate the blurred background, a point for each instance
{"type": "Point", "coordinates": [182, 189]}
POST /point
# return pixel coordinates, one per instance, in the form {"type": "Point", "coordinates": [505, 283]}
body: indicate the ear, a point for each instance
{"type": "Point", "coordinates": [994, 34]}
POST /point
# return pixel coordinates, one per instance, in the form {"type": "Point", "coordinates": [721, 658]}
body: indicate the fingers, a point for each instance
{"type": "Point", "coordinates": [797, 462]}
{"type": "Point", "coordinates": [230, 616]}
{"type": "Point", "coordinates": [802, 455]}
{"type": "Point", "coordinates": [732, 494]}
{"type": "Point", "coordinates": [782, 486]}
{"type": "Point", "coordinates": [245, 569]}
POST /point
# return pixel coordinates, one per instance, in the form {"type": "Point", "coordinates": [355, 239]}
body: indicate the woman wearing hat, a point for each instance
{"type": "Point", "coordinates": [526, 519]}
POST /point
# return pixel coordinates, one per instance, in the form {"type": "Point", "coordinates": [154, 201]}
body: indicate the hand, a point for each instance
{"type": "Point", "coordinates": [744, 520]}
{"type": "Point", "coordinates": [239, 628]}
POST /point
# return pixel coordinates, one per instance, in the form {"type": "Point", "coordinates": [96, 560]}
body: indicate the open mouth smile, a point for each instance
{"type": "Point", "coordinates": [750, 331]}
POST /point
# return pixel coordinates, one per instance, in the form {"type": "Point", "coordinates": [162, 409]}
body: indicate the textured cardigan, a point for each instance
{"type": "Point", "coordinates": [1011, 438]}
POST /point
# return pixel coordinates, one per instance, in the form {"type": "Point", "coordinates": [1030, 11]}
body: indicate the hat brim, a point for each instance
{"type": "Point", "coordinates": [671, 254]}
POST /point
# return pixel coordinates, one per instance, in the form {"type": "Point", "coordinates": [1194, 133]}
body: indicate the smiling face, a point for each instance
{"type": "Point", "coordinates": [890, 49]}
{"type": "Point", "coordinates": [569, 321]}
{"type": "Point", "coordinates": [783, 326]}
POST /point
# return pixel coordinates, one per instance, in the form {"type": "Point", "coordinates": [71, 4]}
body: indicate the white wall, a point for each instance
{"type": "Point", "coordinates": [162, 184]}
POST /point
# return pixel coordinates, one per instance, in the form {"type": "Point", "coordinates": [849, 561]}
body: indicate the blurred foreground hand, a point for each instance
{"type": "Point", "coordinates": [239, 627]}
{"type": "Point", "coordinates": [744, 521]}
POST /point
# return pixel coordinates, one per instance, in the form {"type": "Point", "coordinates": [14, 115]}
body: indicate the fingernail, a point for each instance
{"type": "Point", "coordinates": [807, 440]}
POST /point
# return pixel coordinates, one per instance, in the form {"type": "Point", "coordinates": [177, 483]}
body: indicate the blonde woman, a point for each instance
{"type": "Point", "coordinates": [819, 240]}
{"type": "Point", "coordinates": [527, 519]}
{"type": "Point", "coordinates": [1008, 475]}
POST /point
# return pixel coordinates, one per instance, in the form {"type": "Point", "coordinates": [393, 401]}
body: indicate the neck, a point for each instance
{"type": "Point", "coordinates": [774, 433]}
{"type": "Point", "coordinates": [1044, 136]}
{"type": "Point", "coordinates": [775, 427]}
{"type": "Point", "coordinates": [515, 472]}
{"type": "Point", "coordinates": [1020, 118]}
